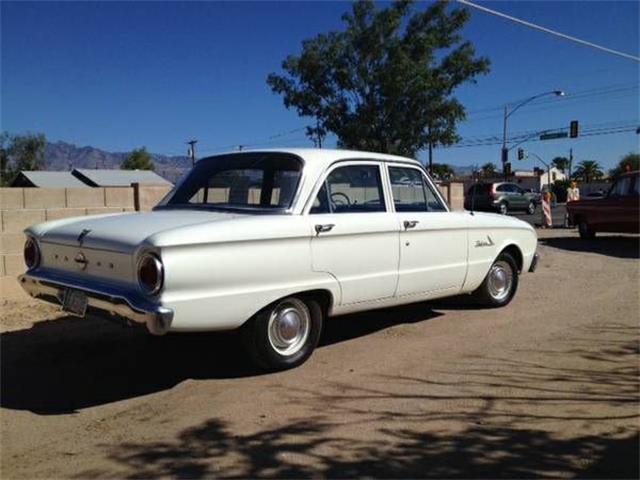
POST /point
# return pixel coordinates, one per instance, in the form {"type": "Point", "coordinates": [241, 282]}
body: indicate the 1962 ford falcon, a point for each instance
{"type": "Point", "coordinates": [272, 242]}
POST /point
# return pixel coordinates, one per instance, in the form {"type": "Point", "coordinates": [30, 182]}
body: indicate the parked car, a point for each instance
{"type": "Point", "coordinates": [617, 212]}
{"type": "Point", "coordinates": [501, 197]}
{"type": "Point", "coordinates": [274, 242]}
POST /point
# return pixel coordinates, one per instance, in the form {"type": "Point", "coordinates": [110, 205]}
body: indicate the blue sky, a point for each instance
{"type": "Point", "coordinates": [118, 75]}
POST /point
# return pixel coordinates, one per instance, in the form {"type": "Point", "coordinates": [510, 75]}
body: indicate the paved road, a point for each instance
{"type": "Point", "coordinates": [557, 214]}
{"type": "Point", "coordinates": [547, 386]}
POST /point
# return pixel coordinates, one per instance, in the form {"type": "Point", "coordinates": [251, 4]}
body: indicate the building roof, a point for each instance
{"type": "Point", "coordinates": [45, 179]}
{"type": "Point", "coordinates": [118, 178]}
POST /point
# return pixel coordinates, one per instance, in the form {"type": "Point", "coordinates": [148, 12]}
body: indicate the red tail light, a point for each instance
{"type": "Point", "coordinates": [492, 190]}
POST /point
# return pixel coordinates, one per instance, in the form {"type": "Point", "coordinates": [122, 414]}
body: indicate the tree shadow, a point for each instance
{"type": "Point", "coordinates": [612, 246]}
{"type": "Point", "coordinates": [62, 365]}
{"type": "Point", "coordinates": [517, 419]}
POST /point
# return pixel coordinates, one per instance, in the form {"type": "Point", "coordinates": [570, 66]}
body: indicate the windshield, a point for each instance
{"type": "Point", "coordinates": [257, 181]}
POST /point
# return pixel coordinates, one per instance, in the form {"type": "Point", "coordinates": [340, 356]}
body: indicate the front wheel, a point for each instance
{"type": "Point", "coordinates": [585, 231]}
{"type": "Point", "coordinates": [284, 334]}
{"type": "Point", "coordinates": [500, 284]}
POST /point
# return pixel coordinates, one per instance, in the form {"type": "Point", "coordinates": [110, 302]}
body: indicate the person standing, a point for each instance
{"type": "Point", "coordinates": [573, 195]}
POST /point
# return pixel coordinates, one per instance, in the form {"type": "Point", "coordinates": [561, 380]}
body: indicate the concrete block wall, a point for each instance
{"type": "Point", "coordinates": [22, 207]}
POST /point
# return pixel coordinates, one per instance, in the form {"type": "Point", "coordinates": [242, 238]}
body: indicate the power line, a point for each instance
{"type": "Point", "coordinates": [549, 31]}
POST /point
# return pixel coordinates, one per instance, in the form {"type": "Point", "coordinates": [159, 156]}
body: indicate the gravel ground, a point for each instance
{"type": "Point", "coordinates": [548, 386]}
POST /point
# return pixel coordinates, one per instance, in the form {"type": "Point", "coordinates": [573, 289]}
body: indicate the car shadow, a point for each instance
{"type": "Point", "coordinates": [60, 366]}
{"type": "Point", "coordinates": [614, 246]}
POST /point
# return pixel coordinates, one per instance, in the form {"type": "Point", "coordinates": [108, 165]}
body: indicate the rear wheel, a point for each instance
{"type": "Point", "coordinates": [500, 284]}
{"type": "Point", "coordinates": [284, 334]}
{"type": "Point", "coordinates": [503, 208]}
{"type": "Point", "coordinates": [585, 231]}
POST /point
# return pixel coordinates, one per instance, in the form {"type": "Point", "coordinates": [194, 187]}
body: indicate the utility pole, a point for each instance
{"type": "Point", "coordinates": [430, 150]}
{"type": "Point", "coordinates": [318, 133]}
{"type": "Point", "coordinates": [192, 150]}
{"type": "Point", "coordinates": [570, 161]}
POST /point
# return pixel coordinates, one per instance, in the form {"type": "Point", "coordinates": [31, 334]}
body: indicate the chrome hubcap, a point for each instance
{"type": "Point", "coordinates": [289, 326]}
{"type": "Point", "coordinates": [500, 280]}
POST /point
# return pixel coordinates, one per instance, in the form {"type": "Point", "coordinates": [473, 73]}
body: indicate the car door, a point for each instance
{"type": "Point", "coordinates": [622, 206]}
{"type": "Point", "coordinates": [433, 241]}
{"type": "Point", "coordinates": [355, 236]}
{"type": "Point", "coordinates": [520, 198]}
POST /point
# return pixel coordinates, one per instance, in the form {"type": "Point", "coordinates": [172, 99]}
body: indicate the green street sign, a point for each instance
{"type": "Point", "coordinates": [552, 136]}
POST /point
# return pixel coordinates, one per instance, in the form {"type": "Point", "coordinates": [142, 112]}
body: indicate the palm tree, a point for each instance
{"type": "Point", "coordinates": [588, 170]}
{"type": "Point", "coordinates": [488, 170]}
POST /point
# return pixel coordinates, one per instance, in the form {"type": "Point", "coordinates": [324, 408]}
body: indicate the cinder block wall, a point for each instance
{"type": "Point", "coordinates": [22, 207]}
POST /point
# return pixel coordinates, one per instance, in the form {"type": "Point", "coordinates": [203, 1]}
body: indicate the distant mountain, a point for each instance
{"type": "Point", "coordinates": [66, 156]}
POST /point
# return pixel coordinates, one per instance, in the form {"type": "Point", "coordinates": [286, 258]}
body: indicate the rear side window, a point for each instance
{"type": "Point", "coordinates": [411, 193]}
{"type": "Point", "coordinates": [351, 189]}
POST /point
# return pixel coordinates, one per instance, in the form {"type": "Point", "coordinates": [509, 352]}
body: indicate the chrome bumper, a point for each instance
{"type": "Point", "coordinates": [101, 299]}
{"type": "Point", "coordinates": [534, 262]}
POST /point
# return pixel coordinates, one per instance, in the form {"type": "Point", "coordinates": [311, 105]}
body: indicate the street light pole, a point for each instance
{"type": "Point", "coordinates": [546, 165]}
{"type": "Point", "coordinates": [507, 114]}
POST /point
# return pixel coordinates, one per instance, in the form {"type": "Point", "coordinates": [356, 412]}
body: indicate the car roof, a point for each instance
{"type": "Point", "coordinates": [317, 160]}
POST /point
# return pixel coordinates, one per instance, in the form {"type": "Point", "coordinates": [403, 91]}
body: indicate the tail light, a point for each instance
{"type": "Point", "coordinates": [31, 253]}
{"type": "Point", "coordinates": [150, 273]}
{"type": "Point", "coordinates": [492, 190]}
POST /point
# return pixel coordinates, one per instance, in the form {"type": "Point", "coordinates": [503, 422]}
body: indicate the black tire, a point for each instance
{"type": "Point", "coordinates": [531, 209]}
{"type": "Point", "coordinates": [260, 335]}
{"type": "Point", "coordinates": [503, 208]}
{"type": "Point", "coordinates": [585, 231]}
{"type": "Point", "coordinates": [486, 294]}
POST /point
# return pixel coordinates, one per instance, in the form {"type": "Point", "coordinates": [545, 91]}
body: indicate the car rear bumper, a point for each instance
{"type": "Point", "coordinates": [103, 300]}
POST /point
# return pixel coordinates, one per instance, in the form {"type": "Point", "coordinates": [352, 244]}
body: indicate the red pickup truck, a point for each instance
{"type": "Point", "coordinates": [618, 211]}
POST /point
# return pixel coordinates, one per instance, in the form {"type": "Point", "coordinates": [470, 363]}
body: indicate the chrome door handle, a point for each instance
{"type": "Point", "coordinates": [327, 227]}
{"type": "Point", "coordinates": [410, 224]}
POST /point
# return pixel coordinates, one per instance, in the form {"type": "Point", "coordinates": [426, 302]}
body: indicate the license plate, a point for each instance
{"type": "Point", "coordinates": [75, 302]}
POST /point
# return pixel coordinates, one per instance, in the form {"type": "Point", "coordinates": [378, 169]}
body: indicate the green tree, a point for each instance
{"type": "Point", "coordinates": [488, 170]}
{"type": "Point", "coordinates": [588, 170]}
{"type": "Point", "coordinates": [20, 152]}
{"type": "Point", "coordinates": [138, 159]}
{"type": "Point", "coordinates": [385, 83]}
{"type": "Point", "coordinates": [561, 163]}
{"type": "Point", "coordinates": [443, 171]}
{"type": "Point", "coordinates": [630, 162]}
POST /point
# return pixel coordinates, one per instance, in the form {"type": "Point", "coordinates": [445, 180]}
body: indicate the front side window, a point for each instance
{"type": "Point", "coordinates": [351, 189]}
{"type": "Point", "coordinates": [411, 192]}
{"type": "Point", "coordinates": [260, 181]}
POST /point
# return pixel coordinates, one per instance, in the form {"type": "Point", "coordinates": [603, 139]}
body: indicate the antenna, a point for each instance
{"type": "Point", "coordinates": [474, 190]}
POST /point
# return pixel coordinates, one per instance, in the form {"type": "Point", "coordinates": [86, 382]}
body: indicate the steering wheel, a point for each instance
{"type": "Point", "coordinates": [341, 200]}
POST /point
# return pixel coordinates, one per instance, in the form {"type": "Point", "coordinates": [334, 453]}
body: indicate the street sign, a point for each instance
{"type": "Point", "coordinates": [551, 136]}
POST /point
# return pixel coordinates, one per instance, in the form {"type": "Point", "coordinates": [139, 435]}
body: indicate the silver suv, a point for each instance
{"type": "Point", "coordinates": [500, 197]}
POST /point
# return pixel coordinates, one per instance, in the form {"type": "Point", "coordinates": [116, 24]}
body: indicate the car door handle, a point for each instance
{"type": "Point", "coordinates": [327, 227]}
{"type": "Point", "coordinates": [410, 224]}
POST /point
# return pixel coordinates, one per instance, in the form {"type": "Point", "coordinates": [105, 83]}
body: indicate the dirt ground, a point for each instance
{"type": "Point", "coordinates": [548, 386]}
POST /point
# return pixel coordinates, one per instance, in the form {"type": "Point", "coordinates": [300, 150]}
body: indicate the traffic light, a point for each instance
{"type": "Point", "coordinates": [520, 154]}
{"type": "Point", "coordinates": [573, 129]}
{"type": "Point", "coordinates": [507, 168]}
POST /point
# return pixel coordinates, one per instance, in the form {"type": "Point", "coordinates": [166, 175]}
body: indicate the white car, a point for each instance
{"type": "Point", "coordinates": [273, 242]}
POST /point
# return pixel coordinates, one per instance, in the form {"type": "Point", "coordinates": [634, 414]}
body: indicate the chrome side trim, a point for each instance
{"type": "Point", "coordinates": [105, 299]}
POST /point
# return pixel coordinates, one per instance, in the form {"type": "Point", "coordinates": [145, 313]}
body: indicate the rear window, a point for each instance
{"type": "Point", "coordinates": [263, 181]}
